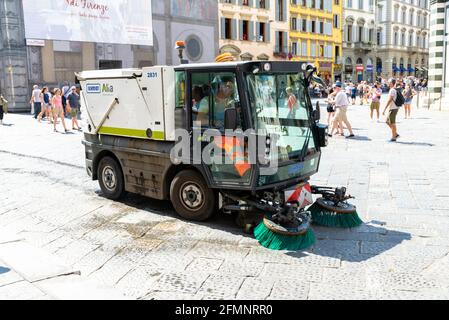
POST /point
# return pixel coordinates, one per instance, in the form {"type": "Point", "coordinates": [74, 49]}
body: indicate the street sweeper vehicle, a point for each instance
{"type": "Point", "coordinates": [238, 137]}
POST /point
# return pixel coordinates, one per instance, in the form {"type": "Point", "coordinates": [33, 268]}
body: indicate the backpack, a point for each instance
{"type": "Point", "coordinates": [399, 98]}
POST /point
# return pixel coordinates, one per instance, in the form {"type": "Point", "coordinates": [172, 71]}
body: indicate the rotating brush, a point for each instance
{"type": "Point", "coordinates": [333, 210]}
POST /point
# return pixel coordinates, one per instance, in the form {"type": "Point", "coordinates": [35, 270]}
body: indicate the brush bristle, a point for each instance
{"type": "Point", "coordinates": [274, 241]}
{"type": "Point", "coordinates": [326, 218]}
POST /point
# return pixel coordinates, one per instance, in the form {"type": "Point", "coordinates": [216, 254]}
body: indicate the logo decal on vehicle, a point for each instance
{"type": "Point", "coordinates": [93, 88]}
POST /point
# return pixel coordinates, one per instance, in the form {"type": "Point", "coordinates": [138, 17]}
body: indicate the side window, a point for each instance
{"type": "Point", "coordinates": [212, 94]}
{"type": "Point", "coordinates": [180, 89]}
{"type": "Point", "coordinates": [225, 95]}
{"type": "Point", "coordinates": [201, 102]}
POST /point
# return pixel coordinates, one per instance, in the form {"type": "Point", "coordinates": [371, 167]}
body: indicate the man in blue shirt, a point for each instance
{"type": "Point", "coordinates": [73, 102]}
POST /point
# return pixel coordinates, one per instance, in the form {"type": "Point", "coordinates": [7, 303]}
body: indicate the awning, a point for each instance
{"type": "Point", "coordinates": [403, 69]}
{"type": "Point", "coordinates": [411, 69]}
{"type": "Point", "coordinates": [395, 69]}
{"type": "Point", "coordinates": [425, 69]}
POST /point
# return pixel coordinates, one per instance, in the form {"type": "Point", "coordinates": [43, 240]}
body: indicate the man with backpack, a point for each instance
{"type": "Point", "coordinates": [395, 101]}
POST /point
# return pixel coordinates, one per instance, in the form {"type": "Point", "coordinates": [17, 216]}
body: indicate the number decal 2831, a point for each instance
{"type": "Point", "coordinates": [152, 75]}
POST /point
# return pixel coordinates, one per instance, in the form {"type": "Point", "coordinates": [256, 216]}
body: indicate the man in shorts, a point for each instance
{"type": "Point", "coordinates": [73, 102]}
{"type": "Point", "coordinates": [341, 104]}
{"type": "Point", "coordinates": [393, 111]}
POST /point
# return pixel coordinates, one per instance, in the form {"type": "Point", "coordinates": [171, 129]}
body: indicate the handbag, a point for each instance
{"type": "Point", "coordinates": [68, 109]}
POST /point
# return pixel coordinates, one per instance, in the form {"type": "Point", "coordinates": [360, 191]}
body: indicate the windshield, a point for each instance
{"type": "Point", "coordinates": [280, 107]}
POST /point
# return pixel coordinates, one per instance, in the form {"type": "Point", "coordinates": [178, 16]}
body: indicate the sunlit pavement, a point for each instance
{"type": "Point", "coordinates": [140, 249]}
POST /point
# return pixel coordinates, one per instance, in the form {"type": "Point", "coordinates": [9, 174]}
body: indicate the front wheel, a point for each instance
{"type": "Point", "coordinates": [110, 176]}
{"type": "Point", "coordinates": [191, 197]}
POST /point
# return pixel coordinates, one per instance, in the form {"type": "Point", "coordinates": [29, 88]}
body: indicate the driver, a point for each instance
{"type": "Point", "coordinates": [224, 99]}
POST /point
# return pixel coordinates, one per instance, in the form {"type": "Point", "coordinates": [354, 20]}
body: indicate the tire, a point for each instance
{"type": "Point", "coordinates": [191, 197]}
{"type": "Point", "coordinates": [110, 177]}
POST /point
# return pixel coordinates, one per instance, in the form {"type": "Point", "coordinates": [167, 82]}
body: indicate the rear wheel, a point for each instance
{"type": "Point", "coordinates": [110, 177]}
{"type": "Point", "coordinates": [191, 197]}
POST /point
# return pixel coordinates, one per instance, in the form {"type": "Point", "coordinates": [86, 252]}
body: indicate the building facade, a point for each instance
{"type": "Point", "coordinates": [359, 45]}
{"type": "Point", "coordinates": [316, 35]}
{"type": "Point", "coordinates": [25, 62]}
{"type": "Point", "coordinates": [254, 29]}
{"type": "Point", "coordinates": [439, 56]}
{"type": "Point", "coordinates": [402, 37]}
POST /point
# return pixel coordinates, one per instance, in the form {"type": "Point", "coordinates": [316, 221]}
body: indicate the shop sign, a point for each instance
{"type": "Point", "coordinates": [369, 68]}
{"type": "Point", "coordinates": [326, 66]}
{"type": "Point", "coordinates": [360, 68]}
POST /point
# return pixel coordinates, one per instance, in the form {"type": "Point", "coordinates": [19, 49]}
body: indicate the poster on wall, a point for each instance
{"type": "Point", "coordinates": [101, 21]}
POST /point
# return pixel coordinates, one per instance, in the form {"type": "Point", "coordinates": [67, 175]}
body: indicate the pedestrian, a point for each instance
{"type": "Point", "coordinates": [46, 108]}
{"type": "Point", "coordinates": [376, 95]}
{"type": "Point", "coordinates": [330, 106]}
{"type": "Point", "coordinates": [360, 92]}
{"type": "Point", "coordinates": [36, 101]}
{"type": "Point", "coordinates": [393, 104]}
{"type": "Point", "coordinates": [408, 94]}
{"type": "Point", "coordinates": [341, 104]}
{"type": "Point", "coordinates": [65, 93]}
{"type": "Point", "coordinates": [73, 104]}
{"type": "Point", "coordinates": [3, 108]}
{"type": "Point", "coordinates": [353, 93]}
{"type": "Point", "coordinates": [58, 109]}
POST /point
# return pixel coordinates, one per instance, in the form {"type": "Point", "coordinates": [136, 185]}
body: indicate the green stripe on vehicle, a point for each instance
{"type": "Point", "coordinates": [157, 135]}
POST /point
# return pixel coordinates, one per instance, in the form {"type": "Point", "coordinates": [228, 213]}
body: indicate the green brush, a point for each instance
{"type": "Point", "coordinates": [324, 213]}
{"type": "Point", "coordinates": [275, 237]}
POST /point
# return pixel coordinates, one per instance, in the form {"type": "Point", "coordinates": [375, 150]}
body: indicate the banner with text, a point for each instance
{"type": "Point", "coordinates": [102, 21]}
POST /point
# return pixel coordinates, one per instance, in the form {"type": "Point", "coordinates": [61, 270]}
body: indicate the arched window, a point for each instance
{"type": "Point", "coordinates": [359, 61]}
{"type": "Point", "coordinates": [410, 40]}
{"type": "Point", "coordinates": [404, 14]}
{"type": "Point", "coordinates": [403, 39]}
{"type": "Point", "coordinates": [395, 40]}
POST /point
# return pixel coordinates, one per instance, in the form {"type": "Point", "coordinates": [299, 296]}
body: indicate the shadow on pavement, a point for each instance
{"type": "Point", "coordinates": [347, 244]}
{"type": "Point", "coordinates": [421, 144]}
{"type": "Point", "coordinates": [4, 270]}
{"type": "Point", "coordinates": [7, 125]}
{"type": "Point", "coordinates": [361, 138]}
{"type": "Point", "coordinates": [351, 245]}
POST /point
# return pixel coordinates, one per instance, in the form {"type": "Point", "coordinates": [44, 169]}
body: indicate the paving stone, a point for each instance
{"type": "Point", "coordinates": [256, 289]}
{"type": "Point", "coordinates": [218, 251]}
{"type": "Point", "coordinates": [171, 296]}
{"type": "Point", "coordinates": [205, 265]}
{"type": "Point", "coordinates": [287, 271]}
{"type": "Point", "coordinates": [21, 291]}
{"type": "Point", "coordinates": [241, 268]}
{"type": "Point", "coordinates": [171, 262]}
{"type": "Point", "coordinates": [180, 282]}
{"type": "Point", "coordinates": [290, 290]}
{"type": "Point", "coordinates": [403, 281]}
{"type": "Point", "coordinates": [140, 281]}
{"type": "Point", "coordinates": [319, 291]}
{"type": "Point", "coordinates": [221, 286]}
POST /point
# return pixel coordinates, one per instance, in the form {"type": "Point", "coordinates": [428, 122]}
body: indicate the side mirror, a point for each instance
{"type": "Point", "coordinates": [231, 119]}
{"type": "Point", "coordinates": [317, 112]}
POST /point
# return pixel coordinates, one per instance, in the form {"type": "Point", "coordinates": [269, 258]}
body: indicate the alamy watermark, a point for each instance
{"type": "Point", "coordinates": [212, 147]}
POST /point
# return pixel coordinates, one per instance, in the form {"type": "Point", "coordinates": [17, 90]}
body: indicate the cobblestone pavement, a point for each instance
{"type": "Point", "coordinates": [141, 249]}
